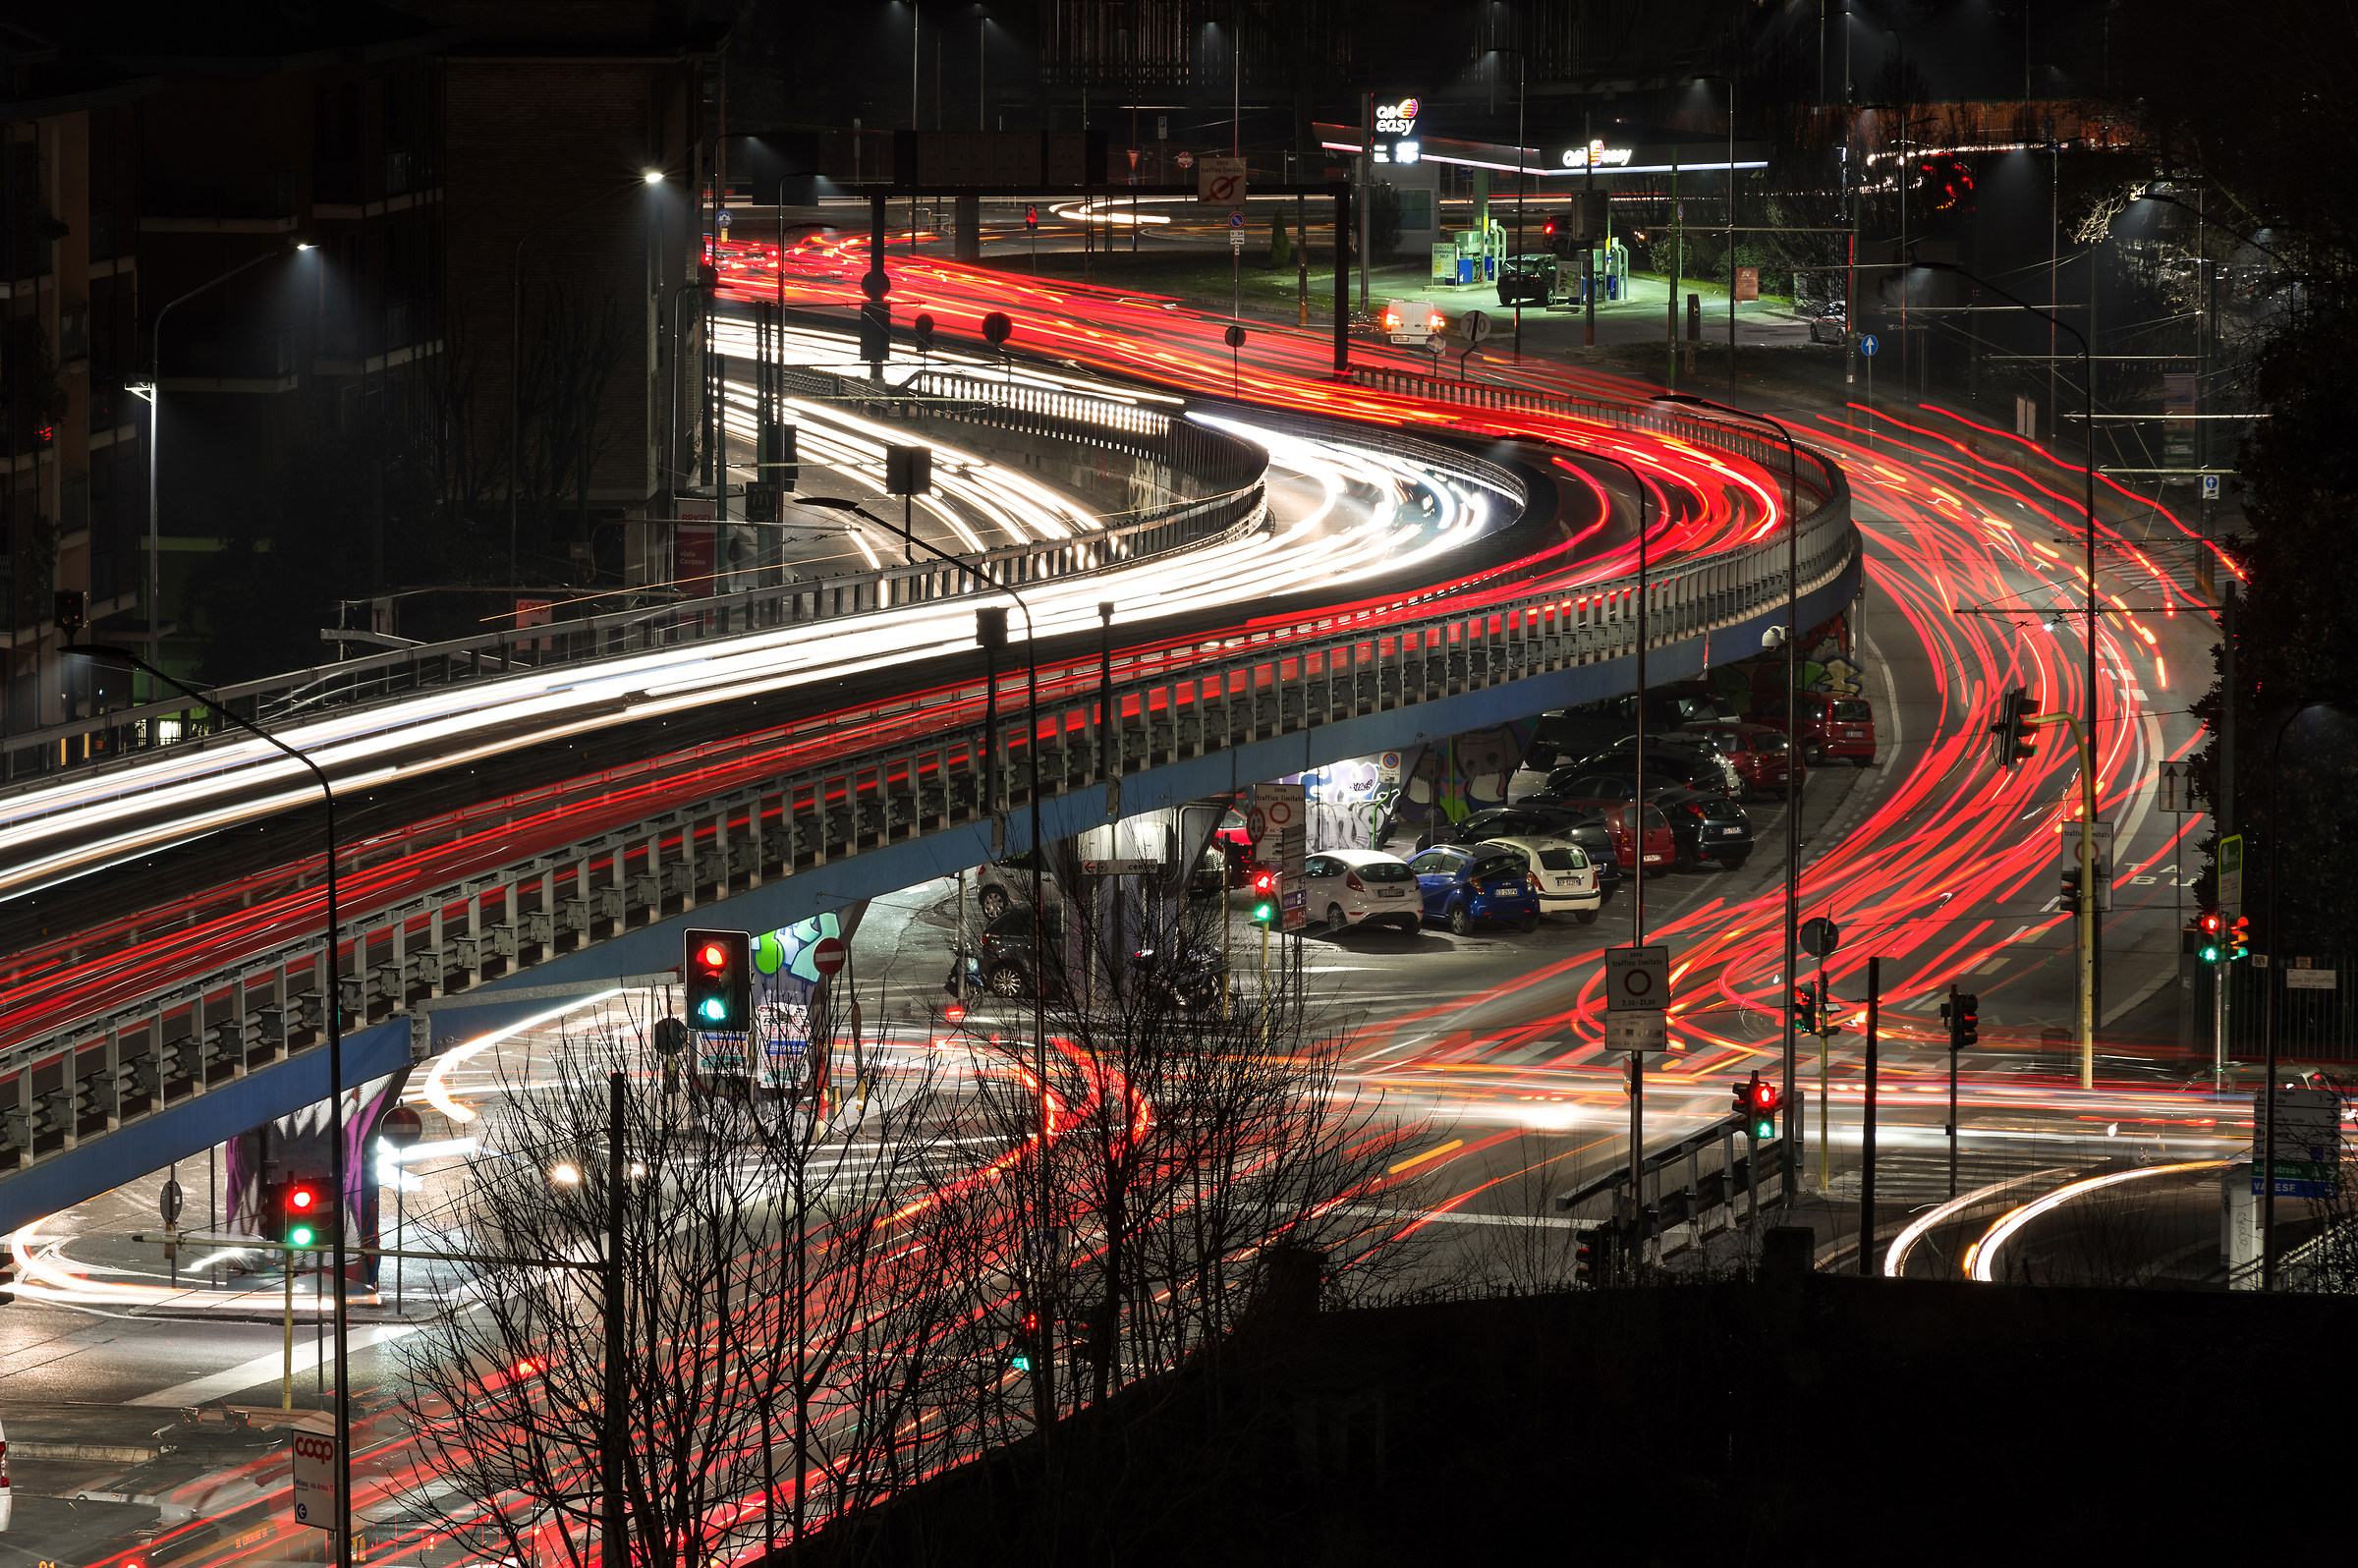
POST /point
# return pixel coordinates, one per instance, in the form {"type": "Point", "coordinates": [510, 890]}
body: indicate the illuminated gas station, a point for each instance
{"type": "Point", "coordinates": [1530, 231]}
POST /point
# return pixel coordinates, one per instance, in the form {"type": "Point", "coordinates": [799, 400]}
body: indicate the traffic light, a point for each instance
{"type": "Point", "coordinates": [1805, 1008]}
{"type": "Point", "coordinates": [1963, 1015]}
{"type": "Point", "coordinates": [875, 332]}
{"type": "Point", "coordinates": [719, 970]}
{"type": "Point", "coordinates": [1027, 1342]}
{"type": "Point", "coordinates": [70, 611]}
{"type": "Point", "coordinates": [2014, 743]}
{"type": "Point", "coordinates": [309, 1212]}
{"type": "Point", "coordinates": [1264, 899]}
{"type": "Point", "coordinates": [1757, 1103]}
{"type": "Point", "coordinates": [2240, 938]}
{"type": "Point", "coordinates": [1593, 1259]}
{"type": "Point", "coordinates": [271, 1210]}
{"type": "Point", "coordinates": [2210, 930]}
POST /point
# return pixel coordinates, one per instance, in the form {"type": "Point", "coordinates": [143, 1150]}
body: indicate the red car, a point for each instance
{"type": "Point", "coordinates": [1662, 845]}
{"type": "Point", "coordinates": [1759, 752]}
{"type": "Point", "coordinates": [1830, 726]}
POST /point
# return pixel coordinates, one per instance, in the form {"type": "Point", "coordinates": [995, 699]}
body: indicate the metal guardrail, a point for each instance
{"type": "Point", "coordinates": [1229, 473]}
{"type": "Point", "coordinates": [1814, 473]}
{"type": "Point", "coordinates": [547, 889]}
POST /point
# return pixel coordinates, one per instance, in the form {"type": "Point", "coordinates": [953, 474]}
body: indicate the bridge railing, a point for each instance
{"type": "Point", "coordinates": [554, 884]}
{"type": "Point", "coordinates": [1225, 473]}
{"type": "Point", "coordinates": [1814, 474]}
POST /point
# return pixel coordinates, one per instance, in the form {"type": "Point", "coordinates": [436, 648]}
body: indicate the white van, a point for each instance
{"type": "Point", "coordinates": [1412, 321]}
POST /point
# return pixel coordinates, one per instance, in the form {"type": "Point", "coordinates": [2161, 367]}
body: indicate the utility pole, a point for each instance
{"type": "Point", "coordinates": [2221, 969]}
{"type": "Point", "coordinates": [1874, 989]}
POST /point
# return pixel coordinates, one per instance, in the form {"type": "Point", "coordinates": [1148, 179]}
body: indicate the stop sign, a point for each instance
{"type": "Point", "coordinates": [828, 956]}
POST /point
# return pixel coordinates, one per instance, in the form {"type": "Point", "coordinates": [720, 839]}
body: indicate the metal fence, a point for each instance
{"type": "Point", "coordinates": [1815, 474]}
{"type": "Point", "coordinates": [1229, 471]}
{"type": "Point", "coordinates": [549, 885]}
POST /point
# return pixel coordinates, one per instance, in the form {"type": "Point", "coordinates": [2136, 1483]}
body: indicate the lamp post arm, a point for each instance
{"type": "Point", "coordinates": [333, 1011]}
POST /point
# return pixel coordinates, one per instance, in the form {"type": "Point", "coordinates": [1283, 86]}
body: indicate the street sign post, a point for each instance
{"type": "Point", "coordinates": [1236, 230]}
{"type": "Point", "coordinates": [1220, 182]}
{"type": "Point", "coordinates": [2230, 875]}
{"type": "Point", "coordinates": [1120, 867]}
{"type": "Point", "coordinates": [1279, 826]}
{"type": "Point", "coordinates": [1820, 936]}
{"type": "Point", "coordinates": [1867, 345]}
{"type": "Point", "coordinates": [828, 956]}
{"type": "Point", "coordinates": [314, 1481]}
{"type": "Point", "coordinates": [2307, 1160]}
{"type": "Point", "coordinates": [2176, 783]}
{"type": "Point", "coordinates": [1637, 979]}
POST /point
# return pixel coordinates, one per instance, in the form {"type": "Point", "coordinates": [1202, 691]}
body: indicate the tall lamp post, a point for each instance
{"type": "Point", "coordinates": [990, 631]}
{"type": "Point", "coordinates": [1793, 738]}
{"type": "Point", "coordinates": [2265, 1154]}
{"type": "Point", "coordinates": [1731, 217]}
{"type": "Point", "coordinates": [650, 177]}
{"type": "Point", "coordinates": [2095, 937]}
{"type": "Point", "coordinates": [156, 435]}
{"type": "Point", "coordinates": [334, 1011]}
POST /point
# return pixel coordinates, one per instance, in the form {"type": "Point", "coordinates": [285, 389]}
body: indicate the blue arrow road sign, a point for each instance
{"type": "Point", "coordinates": [1867, 345]}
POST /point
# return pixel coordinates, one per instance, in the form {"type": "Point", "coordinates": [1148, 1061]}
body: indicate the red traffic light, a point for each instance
{"type": "Point", "coordinates": [1765, 1097]}
{"type": "Point", "coordinates": [1264, 881]}
{"type": "Point", "coordinates": [712, 956]}
{"type": "Point", "coordinates": [2213, 923]}
{"type": "Point", "coordinates": [301, 1197]}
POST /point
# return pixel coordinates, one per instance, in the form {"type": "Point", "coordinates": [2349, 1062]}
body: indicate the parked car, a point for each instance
{"type": "Point", "coordinates": [1621, 820]}
{"type": "Point", "coordinates": [1463, 883]}
{"type": "Point", "coordinates": [1349, 887]}
{"type": "Point", "coordinates": [1705, 827]}
{"type": "Point", "coordinates": [1001, 965]}
{"type": "Point", "coordinates": [1830, 323]}
{"type": "Point", "coordinates": [1689, 762]}
{"type": "Point", "coordinates": [1584, 731]}
{"type": "Point", "coordinates": [1582, 825]}
{"type": "Point", "coordinates": [1760, 755]}
{"type": "Point", "coordinates": [1830, 726]}
{"type": "Point", "coordinates": [997, 887]}
{"type": "Point", "coordinates": [1566, 879]}
{"type": "Point", "coordinates": [1535, 279]}
{"type": "Point", "coordinates": [1525, 819]}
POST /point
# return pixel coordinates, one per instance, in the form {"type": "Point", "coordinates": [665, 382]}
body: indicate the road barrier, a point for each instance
{"type": "Point", "coordinates": [1229, 472]}
{"type": "Point", "coordinates": [556, 882]}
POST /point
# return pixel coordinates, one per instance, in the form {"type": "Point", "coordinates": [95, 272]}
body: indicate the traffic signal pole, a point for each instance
{"type": "Point", "coordinates": [2087, 892]}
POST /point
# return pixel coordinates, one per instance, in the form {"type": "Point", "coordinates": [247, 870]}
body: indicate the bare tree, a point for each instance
{"type": "Point", "coordinates": [793, 1278]}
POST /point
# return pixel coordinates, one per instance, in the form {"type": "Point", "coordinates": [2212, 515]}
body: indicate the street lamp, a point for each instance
{"type": "Point", "coordinates": [648, 178]}
{"type": "Point", "coordinates": [334, 1011]}
{"type": "Point", "coordinates": [154, 393]}
{"type": "Point", "coordinates": [2089, 931]}
{"type": "Point", "coordinates": [1731, 223]}
{"type": "Point", "coordinates": [1522, 80]}
{"type": "Point", "coordinates": [1792, 715]}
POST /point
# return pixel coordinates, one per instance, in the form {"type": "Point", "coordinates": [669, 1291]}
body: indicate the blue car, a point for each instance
{"type": "Point", "coordinates": [1463, 883]}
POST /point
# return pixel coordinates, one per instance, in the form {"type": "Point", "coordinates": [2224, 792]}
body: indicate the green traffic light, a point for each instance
{"type": "Point", "coordinates": [1263, 914]}
{"type": "Point", "coordinates": [715, 1008]}
{"type": "Point", "coordinates": [299, 1235]}
{"type": "Point", "coordinates": [2209, 955]}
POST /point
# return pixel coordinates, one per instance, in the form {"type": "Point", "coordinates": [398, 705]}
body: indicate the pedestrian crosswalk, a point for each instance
{"type": "Point", "coordinates": [1919, 1175]}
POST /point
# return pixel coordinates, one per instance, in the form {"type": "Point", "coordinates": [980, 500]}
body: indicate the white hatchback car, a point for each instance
{"type": "Point", "coordinates": [1348, 887]}
{"type": "Point", "coordinates": [1563, 873]}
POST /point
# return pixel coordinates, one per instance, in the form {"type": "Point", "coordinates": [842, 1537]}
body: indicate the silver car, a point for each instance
{"type": "Point", "coordinates": [1349, 887]}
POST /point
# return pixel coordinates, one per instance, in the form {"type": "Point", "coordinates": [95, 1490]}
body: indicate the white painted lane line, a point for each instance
{"type": "Point", "coordinates": [261, 1370]}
